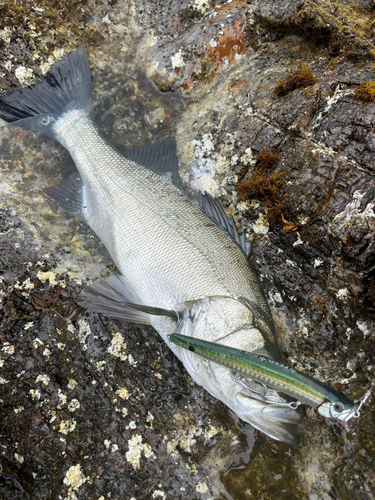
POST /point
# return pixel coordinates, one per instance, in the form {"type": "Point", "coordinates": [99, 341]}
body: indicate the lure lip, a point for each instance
{"type": "Point", "coordinates": [342, 417]}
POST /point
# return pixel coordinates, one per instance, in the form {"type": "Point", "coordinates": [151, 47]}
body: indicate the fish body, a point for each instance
{"type": "Point", "coordinates": [169, 254]}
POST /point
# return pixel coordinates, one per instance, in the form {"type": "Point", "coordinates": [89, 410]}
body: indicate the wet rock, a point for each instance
{"type": "Point", "coordinates": [343, 27]}
{"type": "Point", "coordinates": [93, 408]}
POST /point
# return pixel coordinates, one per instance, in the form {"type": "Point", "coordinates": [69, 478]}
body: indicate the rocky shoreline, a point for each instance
{"type": "Point", "coordinates": [93, 408]}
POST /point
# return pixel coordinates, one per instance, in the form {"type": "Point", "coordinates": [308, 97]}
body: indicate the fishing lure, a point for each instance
{"type": "Point", "coordinates": [329, 402]}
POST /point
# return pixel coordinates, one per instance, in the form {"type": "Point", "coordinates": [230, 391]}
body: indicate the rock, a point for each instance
{"type": "Point", "coordinates": [86, 416]}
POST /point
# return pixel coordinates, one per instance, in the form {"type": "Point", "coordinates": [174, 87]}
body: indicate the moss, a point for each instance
{"type": "Point", "coordinates": [300, 78]}
{"type": "Point", "coordinates": [365, 92]}
{"type": "Point", "coordinates": [266, 160]}
{"type": "Point", "coordinates": [264, 185]}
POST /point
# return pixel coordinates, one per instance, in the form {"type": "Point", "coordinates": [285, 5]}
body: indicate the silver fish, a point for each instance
{"type": "Point", "coordinates": [171, 256]}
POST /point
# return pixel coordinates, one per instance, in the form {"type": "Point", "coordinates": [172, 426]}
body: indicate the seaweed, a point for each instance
{"type": "Point", "coordinates": [300, 78]}
{"type": "Point", "coordinates": [264, 185]}
{"type": "Point", "coordinates": [365, 92]}
{"type": "Point", "coordinates": [266, 159]}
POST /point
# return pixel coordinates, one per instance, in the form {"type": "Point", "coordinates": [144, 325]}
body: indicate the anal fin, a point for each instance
{"type": "Point", "coordinates": [69, 195]}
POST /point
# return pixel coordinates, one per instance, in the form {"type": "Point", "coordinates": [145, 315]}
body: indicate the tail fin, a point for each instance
{"type": "Point", "coordinates": [66, 86]}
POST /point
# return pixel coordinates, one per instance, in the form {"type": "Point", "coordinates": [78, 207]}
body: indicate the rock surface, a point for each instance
{"type": "Point", "coordinates": [93, 408]}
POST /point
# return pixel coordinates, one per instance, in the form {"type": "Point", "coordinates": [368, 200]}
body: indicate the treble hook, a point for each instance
{"type": "Point", "coordinates": [237, 378]}
{"type": "Point", "coordinates": [363, 400]}
{"type": "Point", "coordinates": [293, 405]}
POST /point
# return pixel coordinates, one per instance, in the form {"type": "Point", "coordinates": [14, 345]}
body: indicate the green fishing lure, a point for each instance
{"type": "Point", "coordinates": [329, 402]}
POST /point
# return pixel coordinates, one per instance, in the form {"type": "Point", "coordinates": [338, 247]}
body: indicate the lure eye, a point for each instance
{"type": "Point", "coordinates": [46, 120]}
{"type": "Point", "coordinates": [338, 407]}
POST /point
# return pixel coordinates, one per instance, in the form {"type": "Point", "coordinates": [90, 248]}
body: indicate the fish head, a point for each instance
{"type": "Point", "coordinates": [341, 411]}
{"type": "Point", "coordinates": [224, 320]}
{"type": "Point", "coordinates": [228, 321]}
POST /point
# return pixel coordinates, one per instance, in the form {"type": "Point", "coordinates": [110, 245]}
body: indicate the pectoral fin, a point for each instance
{"type": "Point", "coordinates": [115, 298]}
{"type": "Point", "coordinates": [281, 413]}
{"type": "Point", "coordinates": [269, 336]}
{"type": "Point", "coordinates": [277, 422]}
{"type": "Point", "coordinates": [262, 351]}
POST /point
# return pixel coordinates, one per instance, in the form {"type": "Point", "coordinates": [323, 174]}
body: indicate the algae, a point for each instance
{"type": "Point", "coordinates": [300, 78]}
{"type": "Point", "coordinates": [365, 92]}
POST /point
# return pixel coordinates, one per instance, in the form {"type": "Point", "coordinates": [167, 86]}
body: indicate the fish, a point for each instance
{"type": "Point", "coordinates": [175, 258]}
{"type": "Point", "coordinates": [329, 402]}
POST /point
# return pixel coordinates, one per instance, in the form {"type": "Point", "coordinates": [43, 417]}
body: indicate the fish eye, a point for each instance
{"type": "Point", "coordinates": [46, 120]}
{"type": "Point", "coordinates": [338, 407]}
{"type": "Point", "coordinates": [191, 348]}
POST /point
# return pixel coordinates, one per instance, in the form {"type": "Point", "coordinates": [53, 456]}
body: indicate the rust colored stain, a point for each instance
{"type": "Point", "coordinates": [187, 85]}
{"type": "Point", "coordinates": [228, 45]}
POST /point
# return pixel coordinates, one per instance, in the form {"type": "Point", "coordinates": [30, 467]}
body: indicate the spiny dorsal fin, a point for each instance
{"type": "Point", "coordinates": [69, 195]}
{"type": "Point", "coordinates": [212, 207]}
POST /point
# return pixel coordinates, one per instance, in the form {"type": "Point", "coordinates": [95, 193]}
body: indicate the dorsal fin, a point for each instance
{"type": "Point", "coordinates": [212, 207]}
{"type": "Point", "coordinates": [160, 157]}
